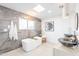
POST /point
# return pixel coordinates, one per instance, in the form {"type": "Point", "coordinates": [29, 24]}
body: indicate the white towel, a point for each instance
{"type": "Point", "coordinates": [11, 30]}
{"type": "Point", "coordinates": [15, 33]}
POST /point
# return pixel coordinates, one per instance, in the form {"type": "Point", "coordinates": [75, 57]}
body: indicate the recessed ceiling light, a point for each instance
{"type": "Point", "coordinates": [39, 8]}
{"type": "Point", "coordinates": [49, 11]}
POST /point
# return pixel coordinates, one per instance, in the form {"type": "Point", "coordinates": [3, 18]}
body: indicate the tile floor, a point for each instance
{"type": "Point", "coordinates": [45, 49]}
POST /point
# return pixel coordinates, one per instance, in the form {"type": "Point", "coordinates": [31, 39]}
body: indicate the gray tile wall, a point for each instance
{"type": "Point", "coordinates": [6, 15]}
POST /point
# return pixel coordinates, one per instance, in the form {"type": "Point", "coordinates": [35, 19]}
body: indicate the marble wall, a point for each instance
{"type": "Point", "coordinates": [6, 15]}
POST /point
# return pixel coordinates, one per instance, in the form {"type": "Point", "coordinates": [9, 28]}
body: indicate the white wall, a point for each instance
{"type": "Point", "coordinates": [61, 26]}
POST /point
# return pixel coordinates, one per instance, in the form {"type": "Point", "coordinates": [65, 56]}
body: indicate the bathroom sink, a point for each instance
{"type": "Point", "coordinates": [67, 43]}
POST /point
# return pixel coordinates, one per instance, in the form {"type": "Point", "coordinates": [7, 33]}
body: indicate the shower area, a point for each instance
{"type": "Point", "coordinates": [6, 44]}
{"type": "Point", "coordinates": [6, 16]}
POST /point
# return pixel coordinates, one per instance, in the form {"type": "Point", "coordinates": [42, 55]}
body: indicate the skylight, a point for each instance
{"type": "Point", "coordinates": [39, 8]}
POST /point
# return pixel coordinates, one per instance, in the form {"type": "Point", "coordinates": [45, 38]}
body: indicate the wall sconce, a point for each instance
{"type": "Point", "coordinates": [5, 30]}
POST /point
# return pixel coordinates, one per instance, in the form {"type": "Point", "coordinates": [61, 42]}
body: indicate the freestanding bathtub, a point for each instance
{"type": "Point", "coordinates": [30, 44]}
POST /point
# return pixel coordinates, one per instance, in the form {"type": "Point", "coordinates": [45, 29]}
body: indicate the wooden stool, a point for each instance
{"type": "Point", "coordinates": [43, 39]}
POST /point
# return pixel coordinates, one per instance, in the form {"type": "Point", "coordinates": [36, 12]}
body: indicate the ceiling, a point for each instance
{"type": "Point", "coordinates": [50, 9]}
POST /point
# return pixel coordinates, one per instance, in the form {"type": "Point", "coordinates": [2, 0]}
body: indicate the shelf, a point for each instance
{"type": "Point", "coordinates": [4, 32]}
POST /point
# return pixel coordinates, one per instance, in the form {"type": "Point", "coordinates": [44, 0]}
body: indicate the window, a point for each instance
{"type": "Point", "coordinates": [26, 24]}
{"type": "Point", "coordinates": [22, 23]}
{"type": "Point", "coordinates": [31, 25]}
